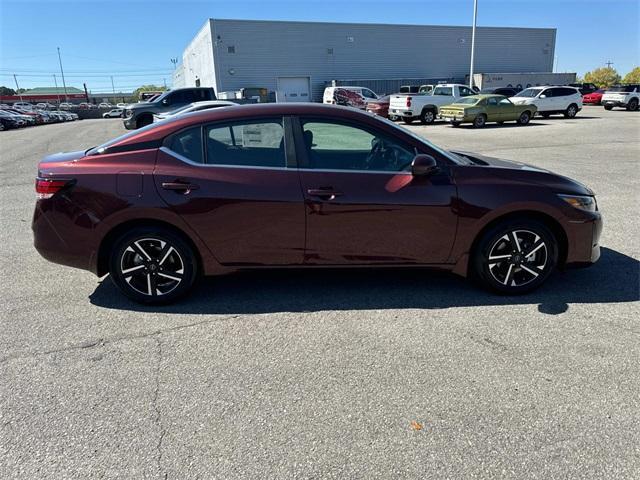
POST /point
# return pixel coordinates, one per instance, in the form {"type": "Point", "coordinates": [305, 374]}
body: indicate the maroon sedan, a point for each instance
{"type": "Point", "coordinates": [302, 185]}
{"type": "Point", "coordinates": [379, 106]}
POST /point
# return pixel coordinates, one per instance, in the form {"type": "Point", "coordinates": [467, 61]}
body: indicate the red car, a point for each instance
{"type": "Point", "coordinates": [380, 106]}
{"type": "Point", "coordinates": [302, 185]}
{"type": "Point", "coordinates": [594, 98]}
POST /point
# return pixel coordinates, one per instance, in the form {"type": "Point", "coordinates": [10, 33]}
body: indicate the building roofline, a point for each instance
{"type": "Point", "coordinates": [375, 24]}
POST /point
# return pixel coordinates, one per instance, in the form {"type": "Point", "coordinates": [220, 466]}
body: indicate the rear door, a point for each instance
{"type": "Point", "coordinates": [235, 185]}
{"type": "Point", "coordinates": [363, 205]}
{"type": "Point", "coordinates": [494, 112]}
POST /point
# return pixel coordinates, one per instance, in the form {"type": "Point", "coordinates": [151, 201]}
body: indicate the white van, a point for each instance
{"type": "Point", "coordinates": [349, 96]}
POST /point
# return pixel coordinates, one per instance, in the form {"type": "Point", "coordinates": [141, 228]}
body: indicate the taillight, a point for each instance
{"type": "Point", "coordinates": [47, 188]}
{"type": "Point", "coordinates": [408, 101]}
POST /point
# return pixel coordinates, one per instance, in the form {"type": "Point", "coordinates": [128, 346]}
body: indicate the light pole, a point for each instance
{"type": "Point", "coordinates": [473, 41]}
{"type": "Point", "coordinates": [55, 81]}
{"type": "Point", "coordinates": [15, 79]}
{"type": "Point", "coordinates": [64, 85]}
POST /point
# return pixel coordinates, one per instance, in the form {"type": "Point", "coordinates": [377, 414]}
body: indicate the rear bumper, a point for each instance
{"type": "Point", "coordinates": [51, 244]}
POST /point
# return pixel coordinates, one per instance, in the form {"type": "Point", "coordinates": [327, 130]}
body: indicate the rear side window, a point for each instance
{"type": "Point", "coordinates": [252, 144]}
{"type": "Point", "coordinates": [188, 144]}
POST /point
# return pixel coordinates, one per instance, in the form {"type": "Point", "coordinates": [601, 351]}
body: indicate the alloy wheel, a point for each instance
{"type": "Point", "coordinates": [152, 267]}
{"type": "Point", "coordinates": [517, 258]}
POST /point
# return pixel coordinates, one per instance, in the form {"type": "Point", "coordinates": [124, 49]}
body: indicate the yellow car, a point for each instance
{"type": "Point", "coordinates": [480, 109]}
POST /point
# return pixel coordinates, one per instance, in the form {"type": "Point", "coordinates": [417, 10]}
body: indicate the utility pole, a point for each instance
{"type": "Point", "coordinates": [86, 94]}
{"type": "Point", "coordinates": [55, 81]}
{"type": "Point", "coordinates": [164, 80]}
{"type": "Point", "coordinates": [608, 64]}
{"type": "Point", "coordinates": [15, 79]}
{"type": "Point", "coordinates": [473, 42]}
{"type": "Point", "coordinates": [175, 62]}
{"type": "Point", "coordinates": [64, 84]}
{"type": "Point", "coordinates": [113, 89]}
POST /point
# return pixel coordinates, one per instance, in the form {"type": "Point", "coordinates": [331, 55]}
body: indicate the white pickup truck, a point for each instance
{"type": "Point", "coordinates": [426, 107]}
{"type": "Point", "coordinates": [626, 96]}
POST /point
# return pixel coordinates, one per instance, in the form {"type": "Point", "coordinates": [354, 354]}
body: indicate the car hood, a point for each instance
{"type": "Point", "coordinates": [526, 173]}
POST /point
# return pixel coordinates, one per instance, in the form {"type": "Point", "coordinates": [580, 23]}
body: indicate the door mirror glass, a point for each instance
{"type": "Point", "coordinates": [423, 165]}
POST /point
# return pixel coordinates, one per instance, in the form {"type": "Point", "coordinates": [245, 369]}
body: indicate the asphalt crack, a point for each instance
{"type": "Point", "coordinates": [86, 344]}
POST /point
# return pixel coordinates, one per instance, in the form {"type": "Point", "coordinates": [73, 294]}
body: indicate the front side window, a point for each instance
{"type": "Point", "coordinates": [368, 93]}
{"type": "Point", "coordinates": [492, 101]}
{"type": "Point", "coordinates": [249, 143]}
{"type": "Point", "coordinates": [188, 144]}
{"type": "Point", "coordinates": [444, 91]}
{"type": "Point", "coordinates": [465, 92]}
{"type": "Point", "coordinates": [337, 146]}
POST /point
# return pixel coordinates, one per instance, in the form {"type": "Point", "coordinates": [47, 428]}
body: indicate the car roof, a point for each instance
{"type": "Point", "coordinates": [211, 102]}
{"type": "Point", "coordinates": [158, 131]}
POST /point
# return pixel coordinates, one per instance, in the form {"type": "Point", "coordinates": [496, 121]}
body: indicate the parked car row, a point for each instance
{"type": "Point", "coordinates": [66, 106]}
{"type": "Point", "coordinates": [12, 117]}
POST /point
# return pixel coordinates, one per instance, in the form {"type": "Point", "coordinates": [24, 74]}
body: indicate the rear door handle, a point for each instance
{"type": "Point", "coordinates": [184, 187]}
{"type": "Point", "coordinates": [327, 193]}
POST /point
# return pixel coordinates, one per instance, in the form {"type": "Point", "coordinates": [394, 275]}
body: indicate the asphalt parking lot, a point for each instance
{"type": "Point", "coordinates": [357, 375]}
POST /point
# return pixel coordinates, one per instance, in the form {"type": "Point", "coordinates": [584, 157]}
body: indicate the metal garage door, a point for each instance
{"type": "Point", "coordinates": [293, 89]}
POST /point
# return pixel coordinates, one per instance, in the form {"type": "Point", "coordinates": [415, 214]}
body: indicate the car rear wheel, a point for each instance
{"type": "Point", "coordinates": [608, 107]}
{"type": "Point", "coordinates": [427, 116]}
{"type": "Point", "coordinates": [515, 256]}
{"type": "Point", "coordinates": [480, 121]}
{"type": "Point", "coordinates": [524, 118]}
{"type": "Point", "coordinates": [153, 265]}
{"type": "Point", "coordinates": [408, 120]}
{"type": "Point", "coordinates": [633, 105]}
{"type": "Point", "coordinates": [571, 111]}
{"type": "Point", "coordinates": [455, 124]}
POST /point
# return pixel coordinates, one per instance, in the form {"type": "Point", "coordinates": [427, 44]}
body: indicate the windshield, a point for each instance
{"type": "Point", "coordinates": [622, 88]}
{"type": "Point", "coordinates": [101, 148]}
{"type": "Point", "coordinates": [468, 101]}
{"type": "Point", "coordinates": [446, 91]}
{"type": "Point", "coordinates": [529, 92]}
{"type": "Point", "coordinates": [450, 155]}
{"type": "Point", "coordinates": [178, 110]}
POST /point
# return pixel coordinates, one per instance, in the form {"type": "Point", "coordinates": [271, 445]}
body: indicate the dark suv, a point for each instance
{"type": "Point", "coordinates": [141, 114]}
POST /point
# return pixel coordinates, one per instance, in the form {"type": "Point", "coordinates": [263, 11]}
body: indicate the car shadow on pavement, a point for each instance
{"type": "Point", "coordinates": [615, 278]}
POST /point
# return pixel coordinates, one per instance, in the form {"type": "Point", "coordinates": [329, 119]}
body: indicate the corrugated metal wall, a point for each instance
{"type": "Point", "coordinates": [255, 53]}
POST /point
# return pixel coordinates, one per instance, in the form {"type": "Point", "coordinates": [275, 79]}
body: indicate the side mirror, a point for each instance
{"type": "Point", "coordinates": [423, 165]}
{"type": "Point", "coordinates": [543, 96]}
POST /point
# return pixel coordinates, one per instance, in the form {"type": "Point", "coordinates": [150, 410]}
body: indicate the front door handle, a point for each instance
{"type": "Point", "coordinates": [326, 193]}
{"type": "Point", "coordinates": [184, 187]}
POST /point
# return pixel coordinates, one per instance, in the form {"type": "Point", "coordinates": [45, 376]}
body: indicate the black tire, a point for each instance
{"type": "Point", "coordinates": [500, 123]}
{"type": "Point", "coordinates": [455, 124]}
{"type": "Point", "coordinates": [518, 273]}
{"type": "Point", "coordinates": [164, 265]}
{"type": "Point", "coordinates": [608, 107]}
{"type": "Point", "coordinates": [427, 116]}
{"type": "Point", "coordinates": [524, 118]}
{"type": "Point", "coordinates": [144, 120]}
{"type": "Point", "coordinates": [632, 106]}
{"type": "Point", "coordinates": [408, 120]}
{"type": "Point", "coordinates": [571, 111]}
{"type": "Point", "coordinates": [480, 121]}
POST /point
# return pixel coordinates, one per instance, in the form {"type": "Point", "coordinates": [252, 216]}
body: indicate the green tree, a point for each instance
{"type": "Point", "coordinates": [7, 91]}
{"type": "Point", "coordinates": [633, 76]}
{"type": "Point", "coordinates": [602, 77]}
{"type": "Point", "coordinates": [146, 88]}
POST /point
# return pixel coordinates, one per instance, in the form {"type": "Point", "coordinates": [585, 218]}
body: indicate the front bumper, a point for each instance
{"type": "Point", "coordinates": [583, 238]}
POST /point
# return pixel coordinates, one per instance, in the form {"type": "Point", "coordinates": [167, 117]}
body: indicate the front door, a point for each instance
{"type": "Point", "coordinates": [231, 183]}
{"type": "Point", "coordinates": [363, 205]}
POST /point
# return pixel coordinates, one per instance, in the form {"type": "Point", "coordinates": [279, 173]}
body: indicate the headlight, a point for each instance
{"type": "Point", "coordinates": [580, 202]}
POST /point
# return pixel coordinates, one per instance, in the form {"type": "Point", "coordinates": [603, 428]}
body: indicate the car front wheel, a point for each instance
{"type": "Point", "coordinates": [515, 256]}
{"type": "Point", "coordinates": [633, 105]}
{"type": "Point", "coordinates": [524, 118]}
{"type": "Point", "coordinates": [571, 111]}
{"type": "Point", "coordinates": [153, 265]}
